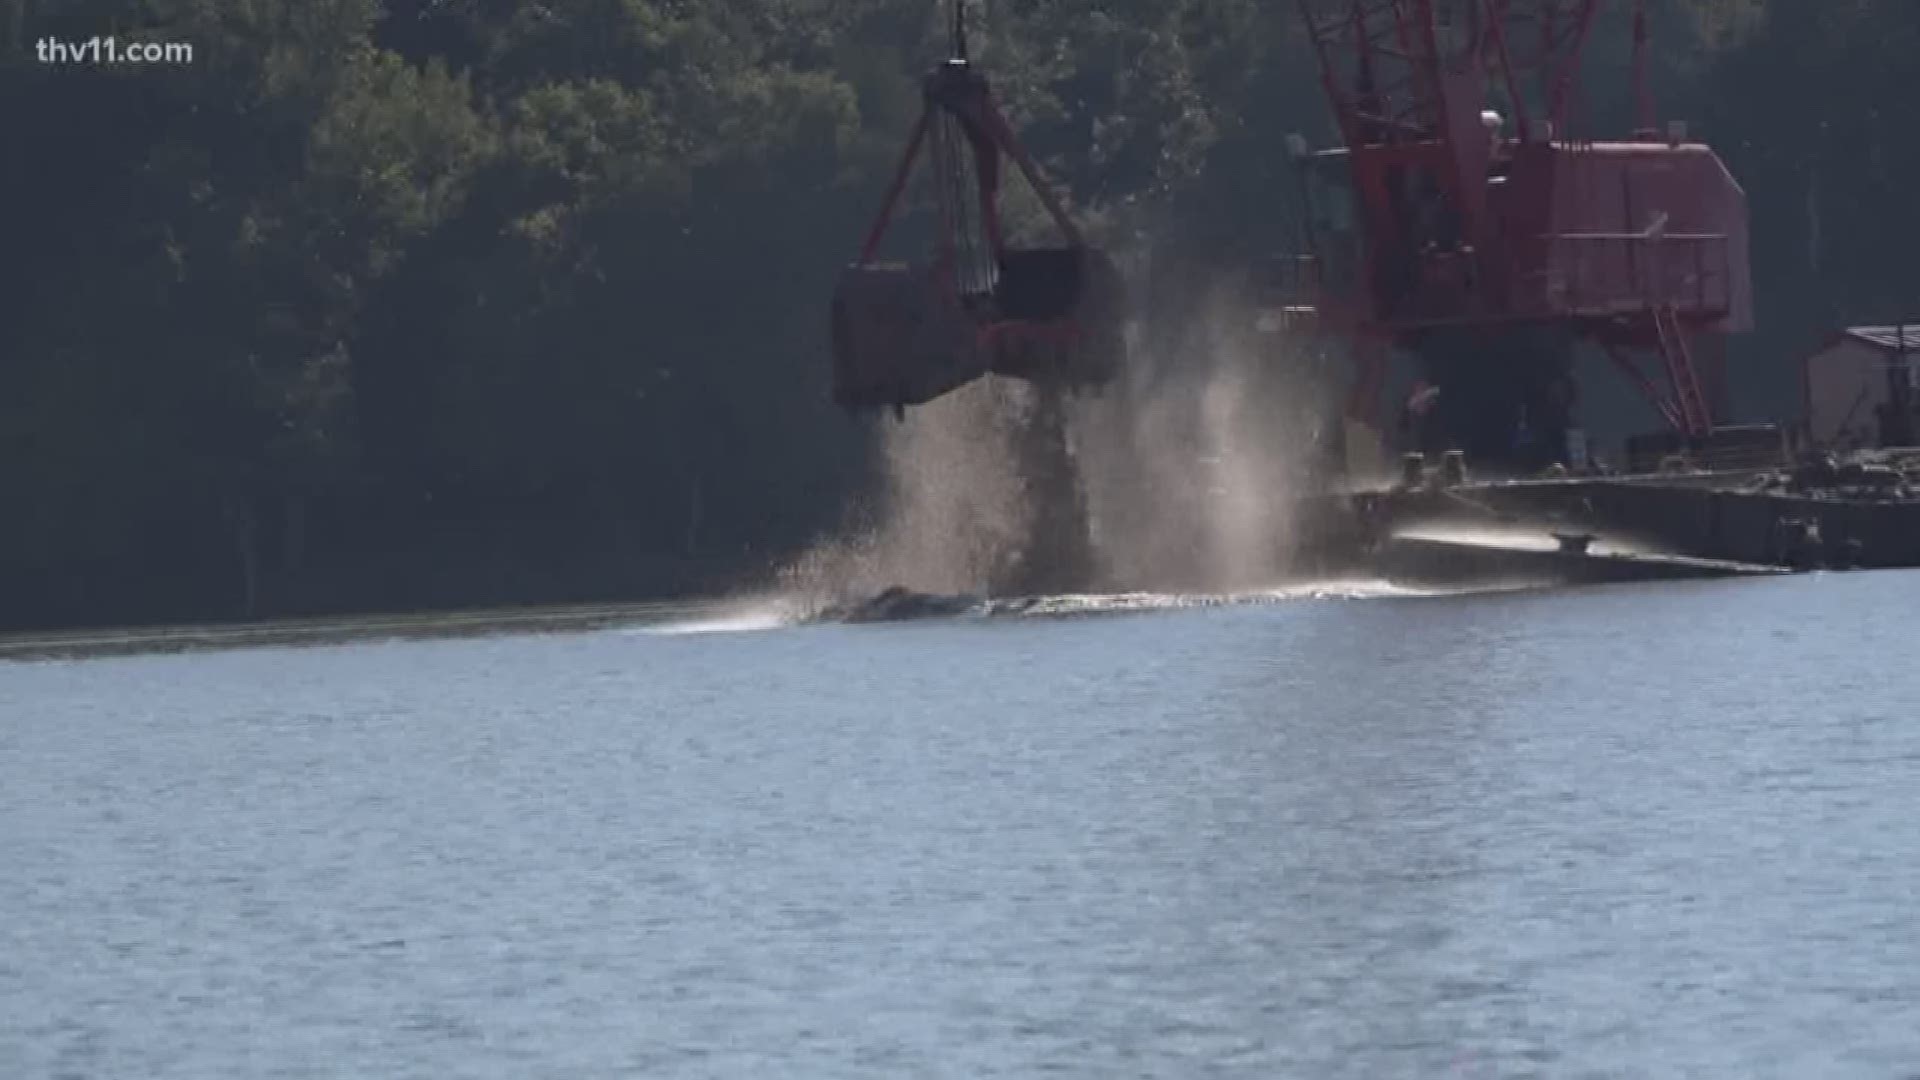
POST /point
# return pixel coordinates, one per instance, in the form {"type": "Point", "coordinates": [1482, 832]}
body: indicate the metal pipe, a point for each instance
{"type": "Point", "coordinates": [1517, 104]}
{"type": "Point", "coordinates": [1643, 90]}
{"type": "Point", "coordinates": [1560, 97]}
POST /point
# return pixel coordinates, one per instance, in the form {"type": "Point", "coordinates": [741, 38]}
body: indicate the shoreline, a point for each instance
{"type": "Point", "coordinates": [333, 630]}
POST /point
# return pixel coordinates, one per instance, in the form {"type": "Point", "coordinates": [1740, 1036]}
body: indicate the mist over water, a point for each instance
{"type": "Point", "coordinates": [950, 506]}
{"type": "Point", "coordinates": [1185, 468]}
{"type": "Point", "coordinates": [1192, 466]}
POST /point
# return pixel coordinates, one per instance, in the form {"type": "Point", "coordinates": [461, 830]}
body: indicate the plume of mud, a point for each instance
{"type": "Point", "coordinates": [1178, 478]}
{"type": "Point", "coordinates": [1193, 464]}
{"type": "Point", "coordinates": [977, 495]}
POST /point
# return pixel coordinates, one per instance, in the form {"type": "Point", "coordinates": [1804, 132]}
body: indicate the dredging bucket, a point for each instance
{"type": "Point", "coordinates": [903, 336]}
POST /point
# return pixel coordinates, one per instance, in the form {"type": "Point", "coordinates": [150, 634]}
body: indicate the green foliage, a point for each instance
{"type": "Point", "coordinates": [554, 274]}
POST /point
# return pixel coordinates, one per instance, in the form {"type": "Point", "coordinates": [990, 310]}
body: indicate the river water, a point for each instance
{"type": "Point", "coordinates": [1662, 831]}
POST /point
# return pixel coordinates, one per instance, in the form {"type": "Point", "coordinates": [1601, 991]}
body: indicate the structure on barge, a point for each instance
{"type": "Point", "coordinates": [1465, 230]}
{"type": "Point", "coordinates": [1466, 225]}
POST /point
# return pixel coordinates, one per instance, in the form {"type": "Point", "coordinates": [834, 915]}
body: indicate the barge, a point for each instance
{"type": "Point", "coordinates": [1859, 510]}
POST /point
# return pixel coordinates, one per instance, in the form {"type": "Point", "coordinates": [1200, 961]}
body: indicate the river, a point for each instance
{"type": "Point", "coordinates": [1661, 831]}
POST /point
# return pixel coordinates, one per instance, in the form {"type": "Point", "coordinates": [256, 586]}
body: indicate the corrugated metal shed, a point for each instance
{"type": "Point", "coordinates": [1849, 381]}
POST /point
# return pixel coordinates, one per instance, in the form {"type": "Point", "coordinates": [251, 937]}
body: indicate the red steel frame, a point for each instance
{"type": "Point", "coordinates": [955, 89]}
{"type": "Point", "coordinates": [1398, 73]}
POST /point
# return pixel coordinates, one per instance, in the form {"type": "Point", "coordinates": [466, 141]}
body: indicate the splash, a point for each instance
{"type": "Point", "coordinates": [1121, 603]}
{"type": "Point", "coordinates": [896, 605]}
{"type": "Point", "coordinates": [977, 495]}
{"type": "Point", "coordinates": [1195, 462]}
{"type": "Point", "coordinates": [1538, 539]}
{"type": "Point", "coordinates": [742, 616]}
{"type": "Point", "coordinates": [1179, 479]}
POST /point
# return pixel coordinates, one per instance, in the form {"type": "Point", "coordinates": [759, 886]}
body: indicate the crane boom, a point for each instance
{"type": "Point", "coordinates": [1483, 228]}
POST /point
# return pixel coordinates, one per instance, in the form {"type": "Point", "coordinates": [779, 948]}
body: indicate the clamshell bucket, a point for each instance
{"type": "Point", "coordinates": [906, 334]}
{"type": "Point", "coordinates": [899, 338]}
{"type": "Point", "coordinates": [902, 336]}
{"type": "Point", "coordinates": [1060, 315]}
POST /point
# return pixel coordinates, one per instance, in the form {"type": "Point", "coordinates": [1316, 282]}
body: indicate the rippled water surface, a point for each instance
{"type": "Point", "coordinates": [1666, 832]}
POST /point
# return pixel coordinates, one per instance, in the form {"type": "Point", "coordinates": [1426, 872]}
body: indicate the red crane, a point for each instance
{"type": "Point", "coordinates": [904, 334]}
{"type": "Point", "coordinates": [1462, 223]}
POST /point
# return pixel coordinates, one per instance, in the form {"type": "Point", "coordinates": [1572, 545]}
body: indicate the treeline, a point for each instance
{"type": "Point", "coordinates": [480, 301]}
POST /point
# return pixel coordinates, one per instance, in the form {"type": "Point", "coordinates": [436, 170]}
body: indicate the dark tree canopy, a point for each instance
{"type": "Point", "coordinates": [481, 301]}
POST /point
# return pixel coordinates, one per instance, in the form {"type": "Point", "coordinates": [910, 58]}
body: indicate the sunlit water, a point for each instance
{"type": "Point", "coordinates": [1628, 832]}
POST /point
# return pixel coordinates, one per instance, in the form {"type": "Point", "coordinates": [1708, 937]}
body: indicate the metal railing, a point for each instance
{"type": "Point", "coordinates": [1623, 273]}
{"type": "Point", "coordinates": [1579, 274]}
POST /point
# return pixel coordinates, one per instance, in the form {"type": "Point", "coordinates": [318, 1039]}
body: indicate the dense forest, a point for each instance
{"type": "Point", "coordinates": [480, 301]}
